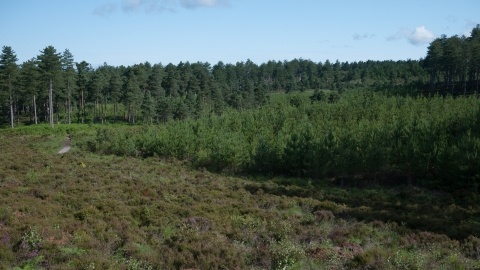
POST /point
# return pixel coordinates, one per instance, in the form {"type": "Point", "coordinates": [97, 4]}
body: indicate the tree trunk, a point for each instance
{"type": "Point", "coordinates": [445, 80]}
{"type": "Point", "coordinates": [18, 112]}
{"type": "Point", "coordinates": [58, 113]}
{"type": "Point", "coordinates": [95, 111]}
{"type": "Point", "coordinates": [452, 82]}
{"type": "Point", "coordinates": [50, 98]}
{"type": "Point", "coordinates": [35, 110]}
{"type": "Point", "coordinates": [476, 89]}
{"type": "Point", "coordinates": [11, 102]}
{"type": "Point", "coordinates": [82, 108]}
{"type": "Point", "coordinates": [105, 111]}
{"type": "Point", "coordinates": [69, 107]}
{"type": "Point", "coordinates": [31, 114]}
{"type": "Point", "coordinates": [79, 110]}
{"type": "Point", "coordinates": [129, 113]}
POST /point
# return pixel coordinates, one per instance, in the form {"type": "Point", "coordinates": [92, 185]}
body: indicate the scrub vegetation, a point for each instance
{"type": "Point", "coordinates": [128, 197]}
{"type": "Point", "coordinates": [357, 166]}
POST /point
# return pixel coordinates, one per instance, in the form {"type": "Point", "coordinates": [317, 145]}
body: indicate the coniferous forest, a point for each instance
{"type": "Point", "coordinates": [278, 165]}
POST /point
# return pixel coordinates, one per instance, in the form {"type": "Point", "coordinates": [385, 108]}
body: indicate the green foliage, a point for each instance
{"type": "Point", "coordinates": [364, 136]}
{"type": "Point", "coordinates": [87, 211]}
{"type": "Point", "coordinates": [318, 96]}
{"type": "Point", "coordinates": [8, 72]}
{"type": "Point", "coordinates": [456, 60]}
{"type": "Point", "coordinates": [118, 212]}
{"type": "Point", "coordinates": [285, 254]}
{"type": "Point", "coordinates": [89, 92]}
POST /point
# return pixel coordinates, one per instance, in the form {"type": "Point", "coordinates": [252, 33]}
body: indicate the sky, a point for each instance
{"type": "Point", "coordinates": [128, 32]}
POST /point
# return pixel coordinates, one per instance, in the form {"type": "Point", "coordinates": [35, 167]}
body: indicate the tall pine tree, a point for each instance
{"type": "Point", "coordinates": [49, 64]}
{"type": "Point", "coordinates": [69, 76]}
{"type": "Point", "coordinates": [8, 70]}
{"type": "Point", "coordinates": [29, 83]}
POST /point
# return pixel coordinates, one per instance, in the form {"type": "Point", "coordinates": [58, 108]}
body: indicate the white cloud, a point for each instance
{"type": "Point", "coordinates": [132, 5]}
{"type": "Point", "coordinates": [364, 36]}
{"type": "Point", "coordinates": [467, 29]}
{"type": "Point", "coordinates": [419, 36]}
{"type": "Point", "coordinates": [466, 33]}
{"type": "Point", "coordinates": [105, 9]}
{"type": "Point", "coordinates": [148, 5]}
{"type": "Point", "coordinates": [157, 5]}
{"type": "Point", "coordinates": [192, 4]}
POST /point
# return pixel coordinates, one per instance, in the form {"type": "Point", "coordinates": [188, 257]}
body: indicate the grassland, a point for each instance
{"type": "Point", "coordinates": [83, 210]}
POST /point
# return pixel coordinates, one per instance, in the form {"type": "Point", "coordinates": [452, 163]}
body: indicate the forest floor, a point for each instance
{"type": "Point", "coordinates": [81, 210]}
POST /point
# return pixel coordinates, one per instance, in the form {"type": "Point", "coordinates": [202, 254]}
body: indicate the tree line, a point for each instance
{"type": "Point", "coordinates": [54, 88]}
{"type": "Point", "coordinates": [454, 63]}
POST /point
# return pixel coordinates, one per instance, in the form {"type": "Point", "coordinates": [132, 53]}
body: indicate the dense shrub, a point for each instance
{"type": "Point", "coordinates": [363, 137]}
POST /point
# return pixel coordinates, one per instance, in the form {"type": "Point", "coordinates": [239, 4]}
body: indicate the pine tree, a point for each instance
{"type": "Point", "coordinates": [70, 78]}
{"type": "Point", "coordinates": [50, 64]}
{"type": "Point", "coordinates": [170, 83]}
{"type": "Point", "coordinates": [248, 95]}
{"type": "Point", "coordinates": [475, 54]}
{"type": "Point", "coordinates": [8, 71]}
{"type": "Point", "coordinates": [155, 86]}
{"type": "Point", "coordinates": [115, 86]}
{"type": "Point", "coordinates": [452, 59]}
{"type": "Point", "coordinates": [434, 59]}
{"type": "Point", "coordinates": [142, 73]}
{"type": "Point", "coordinates": [29, 82]}
{"type": "Point", "coordinates": [217, 99]}
{"type": "Point", "coordinates": [180, 109]}
{"type": "Point", "coordinates": [164, 109]}
{"type": "Point", "coordinates": [148, 108]}
{"type": "Point", "coordinates": [96, 90]}
{"type": "Point", "coordinates": [83, 70]}
{"type": "Point", "coordinates": [190, 102]}
{"type": "Point", "coordinates": [133, 96]}
{"type": "Point", "coordinates": [107, 72]}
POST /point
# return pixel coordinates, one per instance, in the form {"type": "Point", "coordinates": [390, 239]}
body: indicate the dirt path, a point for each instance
{"type": "Point", "coordinates": [67, 145]}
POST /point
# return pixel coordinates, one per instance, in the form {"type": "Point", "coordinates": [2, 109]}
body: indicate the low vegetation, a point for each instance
{"type": "Point", "coordinates": [83, 210]}
{"type": "Point", "coordinates": [205, 170]}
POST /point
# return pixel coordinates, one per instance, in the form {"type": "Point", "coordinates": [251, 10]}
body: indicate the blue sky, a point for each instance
{"type": "Point", "coordinates": [126, 32]}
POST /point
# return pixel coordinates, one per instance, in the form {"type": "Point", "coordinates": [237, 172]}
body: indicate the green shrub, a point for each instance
{"type": "Point", "coordinates": [371, 259]}
{"type": "Point", "coordinates": [285, 254]}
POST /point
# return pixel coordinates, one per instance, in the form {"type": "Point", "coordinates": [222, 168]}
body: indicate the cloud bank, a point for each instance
{"type": "Point", "coordinates": [419, 36]}
{"type": "Point", "coordinates": [149, 6]}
